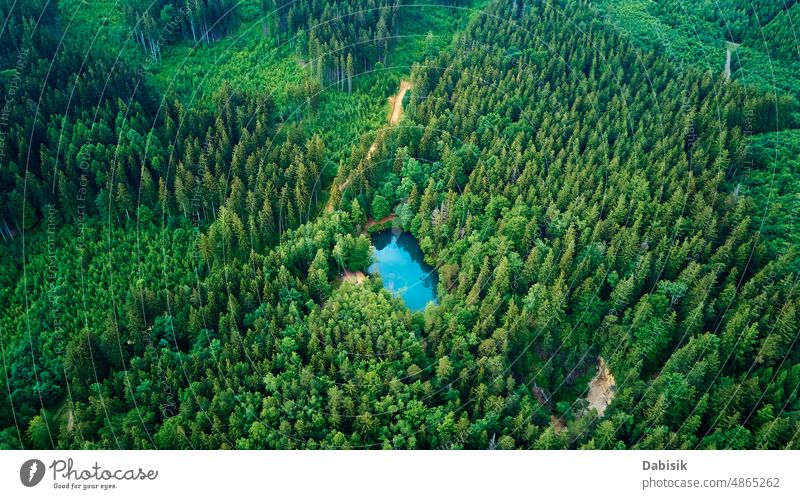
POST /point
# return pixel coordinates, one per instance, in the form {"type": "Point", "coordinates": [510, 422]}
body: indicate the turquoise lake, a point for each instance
{"type": "Point", "coordinates": [400, 263]}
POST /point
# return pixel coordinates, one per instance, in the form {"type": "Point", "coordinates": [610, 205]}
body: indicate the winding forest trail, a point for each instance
{"type": "Point", "coordinates": [397, 102]}
{"type": "Point", "coordinates": [395, 113]}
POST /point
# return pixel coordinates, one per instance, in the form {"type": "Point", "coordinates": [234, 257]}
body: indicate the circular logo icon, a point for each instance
{"type": "Point", "coordinates": [31, 472]}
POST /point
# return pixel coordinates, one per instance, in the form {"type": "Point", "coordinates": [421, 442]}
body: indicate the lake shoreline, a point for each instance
{"type": "Point", "coordinates": [373, 225]}
{"type": "Point", "coordinates": [400, 263]}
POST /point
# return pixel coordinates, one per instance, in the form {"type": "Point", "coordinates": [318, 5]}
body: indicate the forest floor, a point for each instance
{"type": "Point", "coordinates": [395, 113]}
{"type": "Point", "coordinates": [356, 277]}
{"type": "Point", "coordinates": [371, 222]}
{"type": "Point", "coordinates": [558, 424]}
{"type": "Point", "coordinates": [601, 388]}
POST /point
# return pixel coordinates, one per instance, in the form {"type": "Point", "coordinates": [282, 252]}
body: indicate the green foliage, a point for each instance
{"type": "Point", "coordinates": [694, 33]}
{"type": "Point", "coordinates": [248, 61]}
{"type": "Point", "coordinates": [602, 256]}
{"type": "Point", "coordinates": [380, 207]}
{"type": "Point", "coordinates": [176, 284]}
{"type": "Point", "coordinates": [773, 181]}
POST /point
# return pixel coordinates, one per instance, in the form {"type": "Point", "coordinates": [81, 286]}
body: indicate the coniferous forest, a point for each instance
{"type": "Point", "coordinates": [606, 191]}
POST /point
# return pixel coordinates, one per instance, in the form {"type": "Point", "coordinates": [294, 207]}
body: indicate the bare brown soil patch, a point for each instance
{"type": "Point", "coordinates": [356, 277]}
{"type": "Point", "coordinates": [371, 222]}
{"type": "Point", "coordinates": [396, 102]}
{"type": "Point", "coordinates": [601, 388]}
{"type": "Point", "coordinates": [558, 424]}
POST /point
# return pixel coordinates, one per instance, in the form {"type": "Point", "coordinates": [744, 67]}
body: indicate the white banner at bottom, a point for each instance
{"type": "Point", "coordinates": [400, 474]}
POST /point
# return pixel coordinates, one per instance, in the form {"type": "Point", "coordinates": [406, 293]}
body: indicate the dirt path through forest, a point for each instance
{"type": "Point", "coordinates": [730, 48]}
{"type": "Point", "coordinates": [397, 102]}
{"type": "Point", "coordinates": [727, 72]}
{"type": "Point", "coordinates": [396, 112]}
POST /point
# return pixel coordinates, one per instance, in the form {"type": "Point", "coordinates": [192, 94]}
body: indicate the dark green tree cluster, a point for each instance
{"type": "Point", "coordinates": [123, 198]}
{"type": "Point", "coordinates": [22, 32]}
{"type": "Point", "coordinates": [761, 36]}
{"type": "Point", "coordinates": [179, 287]}
{"type": "Point", "coordinates": [577, 204]}
{"type": "Point", "coordinates": [341, 38]}
{"type": "Point", "coordinates": [779, 36]}
{"type": "Point", "coordinates": [62, 114]}
{"type": "Point", "coordinates": [743, 21]}
{"type": "Point", "coordinates": [99, 143]}
{"type": "Point", "coordinates": [155, 24]}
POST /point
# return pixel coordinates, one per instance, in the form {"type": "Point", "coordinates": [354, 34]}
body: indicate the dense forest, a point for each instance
{"type": "Point", "coordinates": [761, 35]}
{"type": "Point", "coordinates": [185, 187]}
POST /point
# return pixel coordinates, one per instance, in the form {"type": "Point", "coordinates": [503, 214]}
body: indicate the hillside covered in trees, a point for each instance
{"type": "Point", "coordinates": [188, 186]}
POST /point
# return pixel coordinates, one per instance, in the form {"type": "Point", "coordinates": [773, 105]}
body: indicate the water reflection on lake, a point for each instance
{"type": "Point", "coordinates": [400, 263]}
